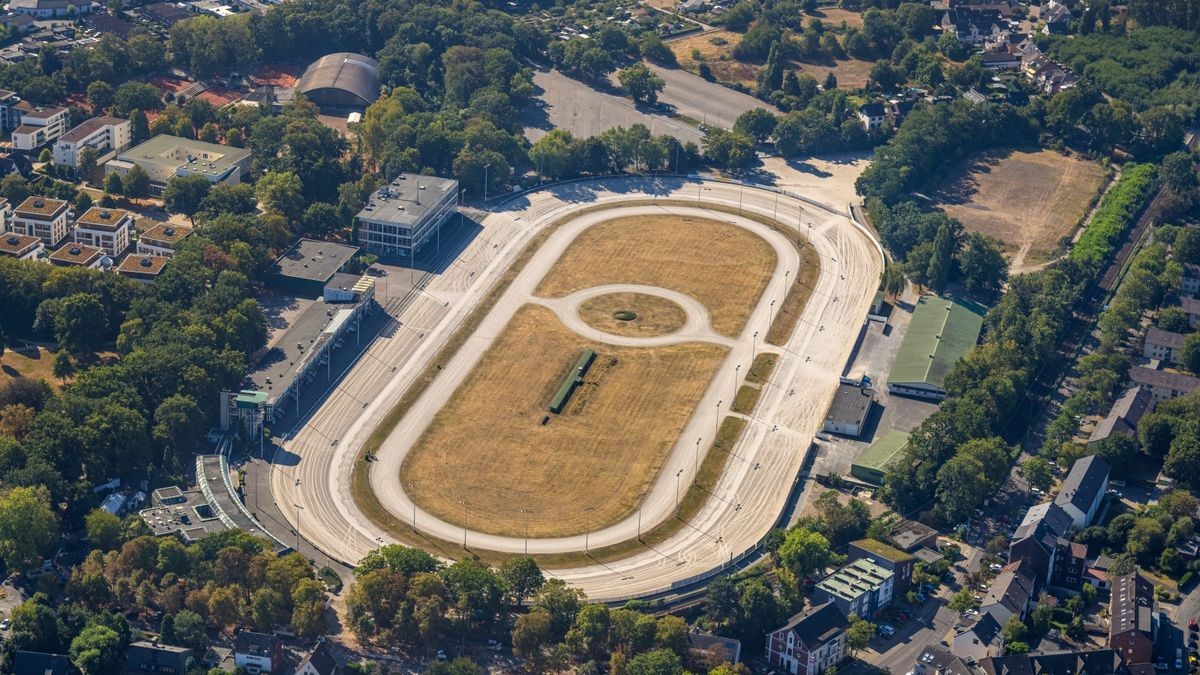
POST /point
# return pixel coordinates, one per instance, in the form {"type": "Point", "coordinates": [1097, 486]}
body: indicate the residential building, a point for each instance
{"type": "Point", "coordinates": [142, 267]}
{"type": "Point", "coordinates": [20, 246]}
{"type": "Point", "coordinates": [319, 661]}
{"type": "Point", "coordinates": [162, 239]}
{"type": "Point", "coordinates": [5, 215]}
{"type": "Point", "coordinates": [1164, 385]}
{"type": "Point", "coordinates": [872, 115]}
{"type": "Point", "coordinates": [1010, 593]}
{"type": "Point", "coordinates": [164, 157]}
{"type": "Point", "coordinates": [1162, 345]}
{"type": "Point", "coordinates": [39, 126]}
{"type": "Point", "coordinates": [258, 652]}
{"type": "Point", "coordinates": [403, 215]}
{"type": "Point", "coordinates": [106, 135]}
{"type": "Point", "coordinates": [79, 255]}
{"type": "Point", "coordinates": [10, 116]}
{"type": "Point", "coordinates": [1083, 490]}
{"type": "Point", "coordinates": [703, 647]}
{"type": "Point", "coordinates": [309, 265]}
{"type": "Point", "coordinates": [1091, 662]}
{"type": "Point", "coordinates": [1133, 619]}
{"type": "Point", "coordinates": [1001, 60]}
{"type": "Point", "coordinates": [43, 218]}
{"type": "Point", "coordinates": [109, 229]}
{"type": "Point", "coordinates": [898, 562]}
{"type": "Point", "coordinates": [878, 458]}
{"type": "Point", "coordinates": [41, 663]}
{"type": "Point", "coordinates": [1189, 283]}
{"type": "Point", "coordinates": [49, 9]}
{"type": "Point", "coordinates": [937, 660]}
{"type": "Point", "coordinates": [862, 587]}
{"type": "Point", "coordinates": [940, 332]}
{"type": "Point", "coordinates": [811, 642]}
{"type": "Point", "coordinates": [151, 657]}
{"type": "Point", "coordinates": [975, 26]}
{"type": "Point", "coordinates": [19, 24]}
{"type": "Point", "coordinates": [849, 410]}
{"type": "Point", "coordinates": [1191, 307]}
{"type": "Point", "coordinates": [1070, 569]}
{"type": "Point", "coordinates": [165, 14]}
{"type": "Point", "coordinates": [1124, 415]}
{"type": "Point", "coordinates": [1036, 539]}
{"type": "Point", "coordinates": [978, 638]}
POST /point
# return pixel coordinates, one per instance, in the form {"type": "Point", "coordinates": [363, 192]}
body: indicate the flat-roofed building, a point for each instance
{"type": "Point", "coordinates": [403, 215]}
{"type": "Point", "coordinates": [878, 458]}
{"type": "Point", "coordinates": [105, 228]}
{"type": "Point", "coordinates": [164, 157]}
{"type": "Point", "coordinates": [39, 125]}
{"type": "Point", "coordinates": [940, 333]}
{"type": "Point", "coordinates": [309, 265]}
{"type": "Point", "coordinates": [10, 116]}
{"type": "Point", "coordinates": [849, 410]}
{"type": "Point", "coordinates": [162, 239]}
{"type": "Point", "coordinates": [106, 135]}
{"type": "Point", "coordinates": [861, 587]}
{"type": "Point", "coordinates": [78, 255]}
{"type": "Point", "coordinates": [20, 246]}
{"type": "Point", "coordinates": [43, 218]}
{"type": "Point", "coordinates": [142, 267]}
{"type": "Point", "coordinates": [5, 215]}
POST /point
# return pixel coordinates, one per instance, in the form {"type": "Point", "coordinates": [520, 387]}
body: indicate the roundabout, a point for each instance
{"type": "Point", "coordinates": [463, 451]}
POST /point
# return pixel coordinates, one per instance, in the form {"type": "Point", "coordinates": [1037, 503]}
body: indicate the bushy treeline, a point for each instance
{"type": "Point", "coordinates": [1145, 67]}
{"type": "Point", "coordinates": [1116, 213]}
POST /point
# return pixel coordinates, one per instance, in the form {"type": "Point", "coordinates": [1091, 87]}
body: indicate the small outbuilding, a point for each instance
{"type": "Point", "coordinates": [849, 411]}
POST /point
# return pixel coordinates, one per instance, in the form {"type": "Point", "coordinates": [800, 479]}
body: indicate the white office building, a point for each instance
{"type": "Point", "coordinates": [402, 216]}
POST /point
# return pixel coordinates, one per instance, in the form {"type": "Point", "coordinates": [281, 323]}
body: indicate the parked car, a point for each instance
{"type": "Point", "coordinates": [886, 630]}
{"type": "Point", "coordinates": [1160, 664]}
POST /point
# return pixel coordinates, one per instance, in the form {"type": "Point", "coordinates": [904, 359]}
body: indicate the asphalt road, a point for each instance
{"type": "Point", "coordinates": [704, 101]}
{"type": "Point", "coordinates": [320, 454]}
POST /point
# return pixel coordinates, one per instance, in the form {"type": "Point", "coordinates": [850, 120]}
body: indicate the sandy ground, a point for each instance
{"type": "Point", "coordinates": [652, 315]}
{"type": "Point", "coordinates": [314, 473]}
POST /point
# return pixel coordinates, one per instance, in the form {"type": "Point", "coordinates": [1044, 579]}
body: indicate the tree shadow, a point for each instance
{"type": "Point", "coordinates": [965, 186]}
{"type": "Point", "coordinates": [805, 167]}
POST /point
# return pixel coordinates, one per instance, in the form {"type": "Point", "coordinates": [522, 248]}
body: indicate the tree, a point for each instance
{"type": "Point", "coordinates": [63, 366]}
{"type": "Point", "coordinates": [1014, 630]}
{"type": "Point", "coordinates": [655, 662]}
{"type": "Point", "coordinates": [86, 161]}
{"type": "Point", "coordinates": [113, 184]}
{"type": "Point", "coordinates": [184, 194]}
{"type": "Point", "coordinates": [522, 577]}
{"type": "Point", "coordinates": [134, 95]}
{"type": "Point", "coordinates": [459, 666]}
{"type": "Point", "coordinates": [729, 149]}
{"type": "Point", "coordinates": [1037, 472]}
{"type": "Point", "coordinates": [308, 608]}
{"type": "Point", "coordinates": [757, 123]}
{"type": "Point", "coordinates": [1189, 354]}
{"type": "Point", "coordinates": [281, 192]}
{"type": "Point", "coordinates": [893, 280]}
{"type": "Point", "coordinates": [139, 125]}
{"type": "Point", "coordinates": [103, 529]}
{"type": "Point", "coordinates": [962, 601]}
{"type": "Point", "coordinates": [561, 603]}
{"type": "Point", "coordinates": [945, 244]}
{"type": "Point", "coordinates": [266, 606]}
{"type": "Point", "coordinates": [805, 552]}
{"type": "Point", "coordinates": [136, 182]}
{"type": "Point", "coordinates": [97, 650]}
{"type": "Point", "coordinates": [588, 637]}
{"type": "Point", "coordinates": [1017, 647]}
{"type": "Point", "coordinates": [983, 266]}
{"type": "Point", "coordinates": [28, 527]}
{"type": "Point", "coordinates": [189, 630]}
{"type": "Point", "coordinates": [100, 95]}
{"type": "Point", "coordinates": [859, 633]}
{"type": "Point", "coordinates": [641, 83]}
{"type": "Point", "coordinates": [554, 154]}
{"type": "Point", "coordinates": [530, 634]}
{"type": "Point", "coordinates": [655, 50]}
{"type": "Point", "coordinates": [770, 79]}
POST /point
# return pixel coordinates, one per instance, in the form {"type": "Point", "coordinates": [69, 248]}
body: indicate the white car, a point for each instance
{"type": "Point", "coordinates": [995, 567]}
{"type": "Point", "coordinates": [4, 624]}
{"type": "Point", "coordinates": [886, 630]}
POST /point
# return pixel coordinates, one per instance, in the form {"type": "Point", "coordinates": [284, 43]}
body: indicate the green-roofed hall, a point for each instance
{"type": "Point", "coordinates": [940, 333]}
{"type": "Point", "coordinates": [875, 461]}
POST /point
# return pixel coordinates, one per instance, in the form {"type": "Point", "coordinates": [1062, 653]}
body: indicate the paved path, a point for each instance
{"type": "Point", "coordinates": [316, 462]}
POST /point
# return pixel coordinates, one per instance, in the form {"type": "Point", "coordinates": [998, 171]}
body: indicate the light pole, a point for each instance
{"type": "Point", "coordinates": [717, 425]}
{"type": "Point", "coordinates": [299, 509]}
{"type": "Point", "coordinates": [753, 346]}
{"type": "Point", "coordinates": [737, 371]}
{"type": "Point", "coordinates": [587, 529]}
{"type": "Point", "coordinates": [696, 461]}
{"type": "Point", "coordinates": [485, 183]}
{"type": "Point", "coordinates": [776, 216]}
{"type": "Point", "coordinates": [465, 504]}
{"type": "Point", "coordinates": [641, 499]}
{"type": "Point", "coordinates": [411, 487]}
{"type": "Point", "coordinates": [677, 475]}
{"type": "Point", "coordinates": [526, 512]}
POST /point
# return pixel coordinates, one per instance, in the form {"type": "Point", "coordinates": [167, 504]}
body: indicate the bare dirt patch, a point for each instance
{"type": "Point", "coordinates": [489, 447]}
{"type": "Point", "coordinates": [850, 73]}
{"type": "Point", "coordinates": [721, 265]}
{"type": "Point", "coordinates": [1029, 201]}
{"type": "Point", "coordinates": [714, 48]}
{"type": "Point", "coordinates": [633, 314]}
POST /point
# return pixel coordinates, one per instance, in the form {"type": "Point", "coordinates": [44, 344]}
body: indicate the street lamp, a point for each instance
{"type": "Point", "coordinates": [411, 487]}
{"type": "Point", "coordinates": [641, 500]}
{"type": "Point", "coordinates": [485, 183]}
{"type": "Point", "coordinates": [696, 461]}
{"type": "Point", "coordinates": [736, 374]}
{"type": "Point", "coordinates": [298, 510]}
{"type": "Point", "coordinates": [526, 512]}
{"type": "Point", "coordinates": [753, 346]}
{"type": "Point", "coordinates": [587, 528]}
{"type": "Point", "coordinates": [717, 426]}
{"type": "Point", "coordinates": [677, 475]}
{"type": "Point", "coordinates": [465, 504]}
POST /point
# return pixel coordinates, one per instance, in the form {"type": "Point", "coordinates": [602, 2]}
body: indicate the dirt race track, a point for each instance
{"type": "Point", "coordinates": [748, 496]}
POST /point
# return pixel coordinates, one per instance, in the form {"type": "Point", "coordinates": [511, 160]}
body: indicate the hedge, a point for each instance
{"type": "Point", "coordinates": [1114, 216]}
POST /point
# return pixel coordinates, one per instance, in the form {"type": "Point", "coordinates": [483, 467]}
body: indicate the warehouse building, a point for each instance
{"type": "Point", "coordinates": [940, 333]}
{"type": "Point", "coordinates": [878, 458]}
{"type": "Point", "coordinates": [341, 80]}
{"type": "Point", "coordinates": [404, 215]}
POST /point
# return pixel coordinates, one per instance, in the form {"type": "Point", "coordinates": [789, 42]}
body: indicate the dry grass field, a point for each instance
{"type": "Point", "coordinates": [723, 266]}
{"type": "Point", "coordinates": [851, 73]}
{"type": "Point", "coordinates": [1029, 201]}
{"type": "Point", "coordinates": [32, 364]}
{"type": "Point", "coordinates": [714, 48]}
{"type": "Point", "coordinates": [652, 315]}
{"type": "Point", "coordinates": [488, 444]}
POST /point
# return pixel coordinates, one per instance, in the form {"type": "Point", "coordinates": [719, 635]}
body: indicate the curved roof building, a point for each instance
{"type": "Point", "coordinates": [341, 80]}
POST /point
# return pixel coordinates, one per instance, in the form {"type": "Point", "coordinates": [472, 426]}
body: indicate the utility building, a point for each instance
{"type": "Point", "coordinates": [940, 333]}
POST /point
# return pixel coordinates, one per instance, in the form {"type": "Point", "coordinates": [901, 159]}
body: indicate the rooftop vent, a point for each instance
{"type": "Point", "coordinates": [169, 231]}
{"type": "Point", "coordinates": [146, 262]}
{"type": "Point", "coordinates": [13, 241]}
{"type": "Point", "coordinates": [75, 250]}
{"type": "Point", "coordinates": [39, 203]}
{"type": "Point", "coordinates": [105, 215]}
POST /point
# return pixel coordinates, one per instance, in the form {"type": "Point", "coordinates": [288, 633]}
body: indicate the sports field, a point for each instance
{"type": "Point", "coordinates": [723, 266]}
{"type": "Point", "coordinates": [1029, 201]}
{"type": "Point", "coordinates": [489, 447]}
{"type": "Point", "coordinates": [633, 314]}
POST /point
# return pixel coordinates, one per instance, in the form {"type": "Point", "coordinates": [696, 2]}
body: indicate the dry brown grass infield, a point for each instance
{"type": "Point", "coordinates": [1029, 201]}
{"type": "Point", "coordinates": [714, 48]}
{"type": "Point", "coordinates": [488, 444]}
{"type": "Point", "coordinates": [721, 265]}
{"type": "Point", "coordinates": [651, 314]}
